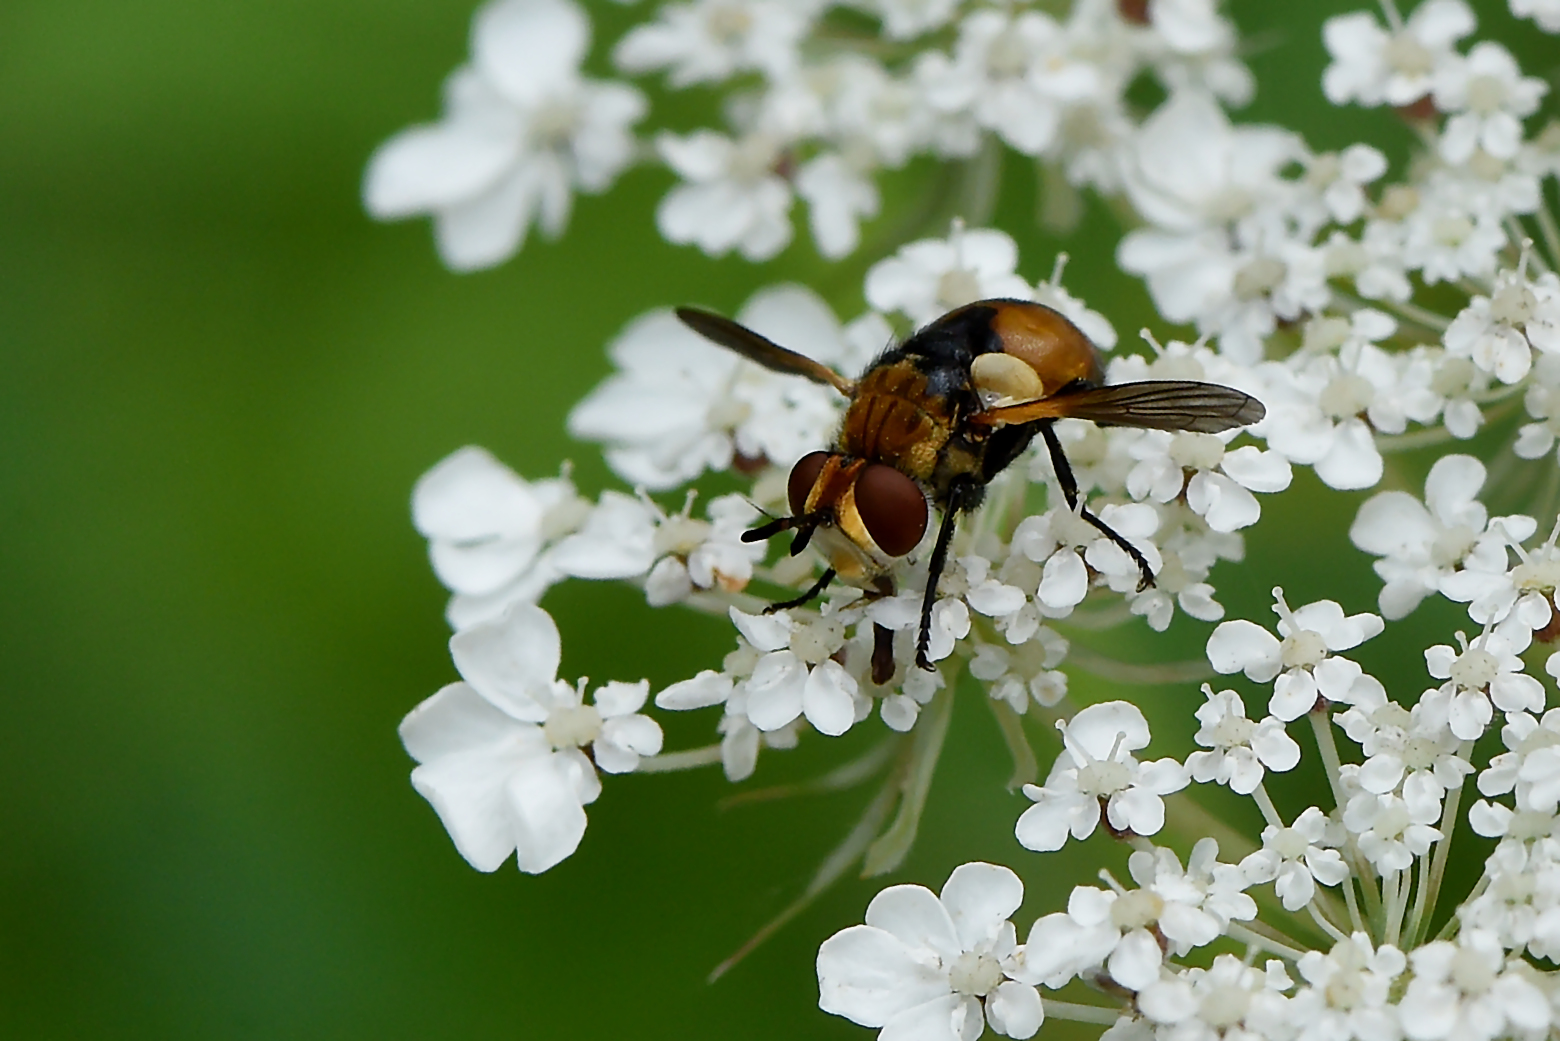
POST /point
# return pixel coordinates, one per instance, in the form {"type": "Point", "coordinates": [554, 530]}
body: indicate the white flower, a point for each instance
{"type": "Point", "coordinates": [1217, 482]}
{"type": "Point", "coordinates": [1520, 599]}
{"type": "Point", "coordinates": [1241, 749]}
{"type": "Point", "coordinates": [1349, 992]}
{"type": "Point", "coordinates": [680, 405]}
{"type": "Point", "coordinates": [1069, 547]}
{"type": "Point", "coordinates": [1422, 544]}
{"type": "Point", "coordinates": [1465, 990]}
{"type": "Point", "coordinates": [501, 755]}
{"type": "Point", "coordinates": [1127, 932]}
{"type": "Point", "coordinates": [1096, 776]}
{"type": "Point", "coordinates": [521, 131]}
{"type": "Point", "coordinates": [1390, 833]}
{"type": "Point", "coordinates": [1486, 671]}
{"type": "Point", "coordinates": [1301, 663]}
{"type": "Point", "coordinates": [903, 19]}
{"type": "Point", "coordinates": [487, 529]}
{"type": "Point", "coordinates": [703, 555]}
{"type": "Point", "coordinates": [1499, 332]}
{"type": "Point", "coordinates": [733, 196]}
{"type": "Point", "coordinates": [1451, 233]}
{"type": "Point", "coordinates": [1542, 401]}
{"type": "Point", "coordinates": [1339, 179]}
{"type": "Point", "coordinates": [1295, 858]}
{"type": "Point", "coordinates": [1023, 673]}
{"type": "Point", "coordinates": [707, 41]}
{"type": "Point", "coordinates": [1413, 752]}
{"type": "Point", "coordinates": [796, 675]}
{"type": "Point", "coordinates": [1488, 96]}
{"type": "Point", "coordinates": [936, 968]}
{"type": "Point", "coordinates": [928, 278]}
{"type": "Point", "coordinates": [1229, 999]}
{"type": "Point", "coordinates": [1545, 12]}
{"type": "Point", "coordinates": [1324, 409]}
{"type": "Point", "coordinates": [1373, 67]}
{"type": "Point", "coordinates": [1011, 73]}
{"type": "Point", "coordinates": [839, 196]}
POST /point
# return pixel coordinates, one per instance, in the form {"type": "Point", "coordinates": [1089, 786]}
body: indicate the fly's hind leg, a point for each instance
{"type": "Point", "coordinates": [1069, 483]}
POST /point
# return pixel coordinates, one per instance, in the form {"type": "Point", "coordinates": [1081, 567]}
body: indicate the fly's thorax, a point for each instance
{"type": "Point", "coordinates": [896, 419]}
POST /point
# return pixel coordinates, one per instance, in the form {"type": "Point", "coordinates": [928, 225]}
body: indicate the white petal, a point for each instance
{"type": "Point", "coordinates": [1136, 960]}
{"type": "Point", "coordinates": [429, 168]}
{"type": "Point", "coordinates": [549, 819]}
{"type": "Point", "coordinates": [866, 975]}
{"type": "Point", "coordinates": [914, 916]}
{"type": "Point", "coordinates": [775, 690]}
{"type": "Point", "coordinates": [530, 48]}
{"type": "Point", "coordinates": [707, 688]}
{"type": "Point", "coordinates": [1015, 1010]}
{"type": "Point", "coordinates": [827, 698]}
{"type": "Point", "coordinates": [1242, 646]}
{"type": "Point", "coordinates": [941, 1019]}
{"type": "Point", "coordinates": [980, 898]}
{"type": "Point", "coordinates": [511, 662]}
{"type": "Point", "coordinates": [458, 719]}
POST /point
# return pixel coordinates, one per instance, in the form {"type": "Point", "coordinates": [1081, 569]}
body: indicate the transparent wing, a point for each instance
{"type": "Point", "coordinates": [759, 349]}
{"type": "Point", "coordinates": [1206, 408]}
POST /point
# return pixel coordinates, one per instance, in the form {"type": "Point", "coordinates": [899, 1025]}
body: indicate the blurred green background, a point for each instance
{"type": "Point", "coordinates": [219, 383]}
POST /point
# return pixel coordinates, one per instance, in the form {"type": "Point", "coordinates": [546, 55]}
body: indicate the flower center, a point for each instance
{"type": "Point", "coordinates": [1231, 203]}
{"type": "Point", "coordinates": [1391, 822]}
{"type": "Point", "coordinates": [1420, 753]}
{"type": "Point", "coordinates": [1537, 573]}
{"type": "Point", "coordinates": [728, 23]}
{"type": "Point", "coordinates": [814, 641]}
{"type": "Point", "coordinates": [553, 124]}
{"type": "Point", "coordinates": [1527, 825]}
{"type": "Point", "coordinates": [1451, 230]}
{"type": "Point", "coordinates": [1103, 778]}
{"type": "Point", "coordinates": [1513, 304]}
{"type": "Point", "coordinates": [1471, 973]}
{"type": "Point", "coordinates": [1261, 276]}
{"type": "Point", "coordinates": [1474, 669]}
{"type": "Point", "coordinates": [1452, 545]}
{"type": "Point", "coordinates": [1486, 94]}
{"type": "Point", "coordinates": [1408, 56]}
{"type": "Point", "coordinates": [1136, 910]}
{"type": "Point", "coordinates": [1196, 451]}
{"type": "Point", "coordinates": [1224, 1006]}
{"type": "Point", "coordinates": [1324, 170]}
{"type": "Point", "coordinates": [1347, 395]}
{"type": "Point", "coordinates": [1007, 56]}
{"type": "Point", "coordinates": [572, 727]}
{"type": "Point", "coordinates": [974, 974]}
{"type": "Point", "coordinates": [1391, 716]}
{"type": "Point", "coordinates": [1233, 731]}
{"type": "Point", "coordinates": [1345, 990]}
{"type": "Point", "coordinates": [1302, 649]}
{"type": "Point", "coordinates": [957, 287]}
{"type": "Point", "coordinates": [1290, 844]}
{"type": "Point", "coordinates": [680, 536]}
{"type": "Point", "coordinates": [754, 157]}
{"type": "Point", "coordinates": [1398, 202]}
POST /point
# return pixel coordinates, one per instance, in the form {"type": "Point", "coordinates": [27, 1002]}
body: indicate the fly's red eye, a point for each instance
{"type": "Point", "coordinates": [892, 507]}
{"type": "Point", "coordinates": [803, 476]}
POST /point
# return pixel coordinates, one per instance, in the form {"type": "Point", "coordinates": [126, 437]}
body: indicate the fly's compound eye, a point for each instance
{"type": "Point", "coordinates": [892, 507]}
{"type": "Point", "coordinates": [803, 476]}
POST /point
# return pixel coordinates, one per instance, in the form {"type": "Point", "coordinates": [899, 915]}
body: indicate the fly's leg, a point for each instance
{"type": "Point", "coordinates": [958, 497]}
{"type": "Point", "coordinates": [812, 594]}
{"type": "Point", "coordinates": [1069, 483]}
{"type": "Point", "coordinates": [882, 654]}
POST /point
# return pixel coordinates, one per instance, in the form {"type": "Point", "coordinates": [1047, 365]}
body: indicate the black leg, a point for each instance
{"type": "Point", "coordinates": [1069, 483]}
{"type": "Point", "coordinates": [956, 500]}
{"type": "Point", "coordinates": [882, 654]}
{"type": "Point", "coordinates": [817, 588]}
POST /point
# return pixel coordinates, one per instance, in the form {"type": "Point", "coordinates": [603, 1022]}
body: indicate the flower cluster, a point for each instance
{"type": "Point", "coordinates": [1374, 311]}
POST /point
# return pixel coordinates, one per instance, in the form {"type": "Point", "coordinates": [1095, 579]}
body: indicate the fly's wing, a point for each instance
{"type": "Point", "coordinates": [1205, 408]}
{"type": "Point", "coordinates": [759, 349]}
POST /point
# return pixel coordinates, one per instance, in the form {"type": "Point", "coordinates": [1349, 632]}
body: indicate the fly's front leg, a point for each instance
{"type": "Point", "coordinates": [958, 496]}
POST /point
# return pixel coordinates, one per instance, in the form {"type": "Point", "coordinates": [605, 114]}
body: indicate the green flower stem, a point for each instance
{"type": "Point", "coordinates": [1448, 826]}
{"type": "Point", "coordinates": [1026, 770]}
{"type": "Point", "coordinates": [890, 849]}
{"type": "Point", "coordinates": [1080, 1013]}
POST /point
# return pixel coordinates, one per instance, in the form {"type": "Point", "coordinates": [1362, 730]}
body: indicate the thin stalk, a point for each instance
{"type": "Point", "coordinates": [1026, 770]}
{"type": "Point", "coordinates": [1321, 726]}
{"type": "Point", "coordinates": [1391, 926]}
{"type": "Point", "coordinates": [847, 775]}
{"type": "Point", "coordinates": [1278, 944]}
{"type": "Point", "coordinates": [690, 759]}
{"type": "Point", "coordinates": [1321, 920]}
{"type": "Point", "coordinates": [890, 849]}
{"type": "Point", "coordinates": [1519, 236]}
{"type": "Point", "coordinates": [1132, 672]}
{"type": "Point", "coordinates": [1265, 804]}
{"type": "Point", "coordinates": [1080, 1013]}
{"type": "Point", "coordinates": [1551, 232]}
{"type": "Point", "coordinates": [1356, 920]}
{"type": "Point", "coordinates": [1442, 850]}
{"type": "Point", "coordinates": [1420, 316]}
